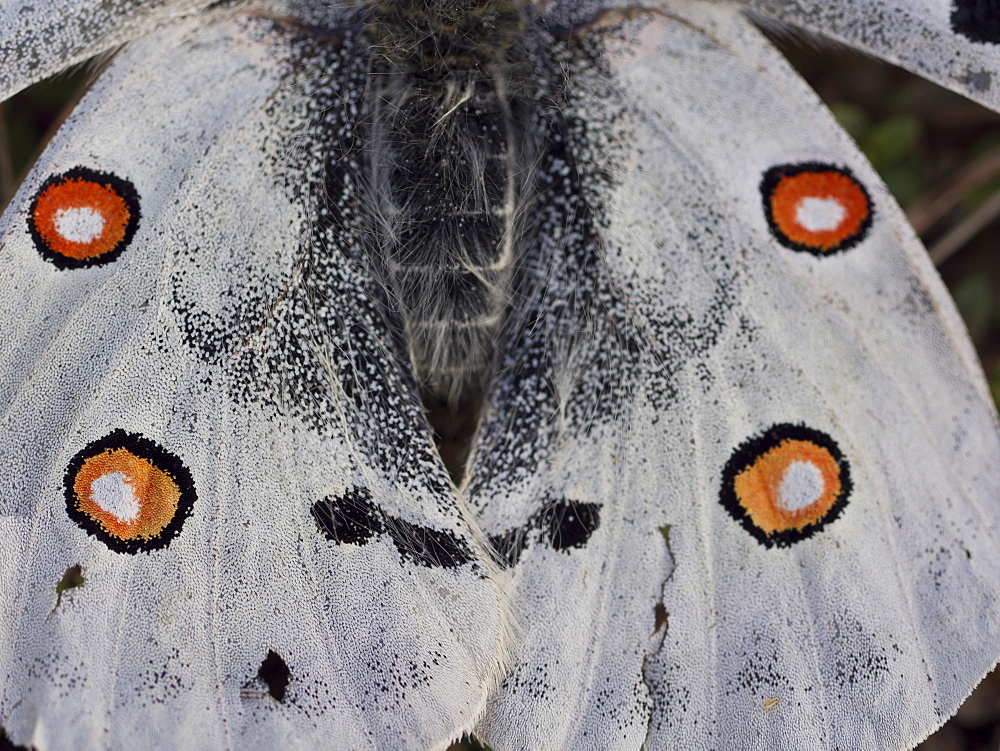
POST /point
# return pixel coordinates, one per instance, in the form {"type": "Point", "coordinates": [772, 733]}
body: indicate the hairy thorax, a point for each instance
{"type": "Point", "coordinates": [455, 101]}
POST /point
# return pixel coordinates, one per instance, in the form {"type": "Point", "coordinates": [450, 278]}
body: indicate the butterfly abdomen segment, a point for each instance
{"type": "Point", "coordinates": [452, 135]}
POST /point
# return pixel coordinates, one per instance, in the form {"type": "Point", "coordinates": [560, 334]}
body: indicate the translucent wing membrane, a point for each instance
{"type": "Point", "coordinates": [196, 400]}
{"type": "Point", "coordinates": [775, 524]}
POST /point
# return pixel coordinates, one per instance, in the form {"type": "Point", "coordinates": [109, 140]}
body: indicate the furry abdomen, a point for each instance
{"type": "Point", "coordinates": [450, 144]}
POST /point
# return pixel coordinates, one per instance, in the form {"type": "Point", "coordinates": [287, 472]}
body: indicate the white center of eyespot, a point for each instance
{"type": "Point", "coordinates": [819, 214]}
{"type": "Point", "coordinates": [79, 225]}
{"type": "Point", "coordinates": [115, 494]}
{"type": "Point", "coordinates": [801, 486]}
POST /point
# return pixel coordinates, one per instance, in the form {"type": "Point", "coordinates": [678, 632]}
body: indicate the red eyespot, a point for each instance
{"type": "Point", "coordinates": [786, 484]}
{"type": "Point", "coordinates": [816, 208]}
{"type": "Point", "coordinates": [83, 218]}
{"type": "Point", "coordinates": [128, 492]}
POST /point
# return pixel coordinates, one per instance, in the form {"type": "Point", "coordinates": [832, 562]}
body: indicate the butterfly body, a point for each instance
{"type": "Point", "coordinates": [702, 483]}
{"type": "Point", "coordinates": [454, 129]}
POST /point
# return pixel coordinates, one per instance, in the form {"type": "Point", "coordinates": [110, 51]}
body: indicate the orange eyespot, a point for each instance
{"type": "Point", "coordinates": [816, 208]}
{"type": "Point", "coordinates": [786, 484]}
{"type": "Point", "coordinates": [128, 492]}
{"type": "Point", "coordinates": [83, 218]}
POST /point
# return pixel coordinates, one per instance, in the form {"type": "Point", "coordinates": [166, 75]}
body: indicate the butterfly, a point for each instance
{"type": "Point", "coordinates": [734, 477]}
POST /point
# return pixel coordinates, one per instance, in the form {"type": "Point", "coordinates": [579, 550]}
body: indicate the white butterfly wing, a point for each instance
{"type": "Point", "coordinates": [952, 42]}
{"type": "Point", "coordinates": [203, 420]}
{"type": "Point", "coordinates": [760, 509]}
{"type": "Point", "coordinates": [38, 39]}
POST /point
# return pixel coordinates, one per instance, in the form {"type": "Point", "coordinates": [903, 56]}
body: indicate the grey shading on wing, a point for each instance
{"type": "Point", "coordinates": [614, 465]}
{"type": "Point", "coordinates": [955, 43]}
{"type": "Point", "coordinates": [40, 38]}
{"type": "Point", "coordinates": [315, 575]}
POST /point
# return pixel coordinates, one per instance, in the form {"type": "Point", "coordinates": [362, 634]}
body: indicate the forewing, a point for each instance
{"type": "Point", "coordinates": [742, 462]}
{"type": "Point", "coordinates": [952, 42]}
{"type": "Point", "coordinates": [223, 521]}
{"type": "Point", "coordinates": [38, 39]}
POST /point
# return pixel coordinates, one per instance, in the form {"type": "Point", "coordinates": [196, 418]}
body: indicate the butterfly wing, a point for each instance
{"type": "Point", "coordinates": [748, 487]}
{"type": "Point", "coordinates": [951, 42]}
{"type": "Point", "coordinates": [41, 38]}
{"type": "Point", "coordinates": [223, 520]}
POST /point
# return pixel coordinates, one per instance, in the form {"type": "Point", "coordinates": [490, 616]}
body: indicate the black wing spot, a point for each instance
{"type": "Point", "coordinates": [426, 546]}
{"type": "Point", "coordinates": [275, 674]}
{"type": "Point", "coordinates": [6, 744]}
{"type": "Point", "coordinates": [569, 524]}
{"type": "Point", "coordinates": [563, 524]}
{"type": "Point", "coordinates": [351, 519]}
{"type": "Point", "coordinates": [977, 20]}
{"type": "Point", "coordinates": [510, 545]}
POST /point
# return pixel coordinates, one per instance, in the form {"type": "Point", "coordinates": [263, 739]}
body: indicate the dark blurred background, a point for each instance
{"type": "Point", "coordinates": [938, 153]}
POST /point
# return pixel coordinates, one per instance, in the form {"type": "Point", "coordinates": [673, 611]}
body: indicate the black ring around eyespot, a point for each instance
{"type": "Point", "coordinates": [114, 198]}
{"type": "Point", "coordinates": [143, 449]}
{"type": "Point", "coordinates": [782, 184]}
{"type": "Point", "coordinates": [747, 454]}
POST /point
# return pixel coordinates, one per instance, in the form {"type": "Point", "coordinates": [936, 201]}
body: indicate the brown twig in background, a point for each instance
{"type": "Point", "coordinates": [929, 210]}
{"type": "Point", "coordinates": [956, 237]}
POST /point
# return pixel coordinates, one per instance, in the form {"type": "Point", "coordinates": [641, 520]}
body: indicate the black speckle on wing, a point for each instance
{"type": "Point", "coordinates": [861, 658]}
{"type": "Point", "coordinates": [566, 311]}
{"type": "Point", "coordinates": [584, 338]}
{"type": "Point", "coordinates": [978, 80]}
